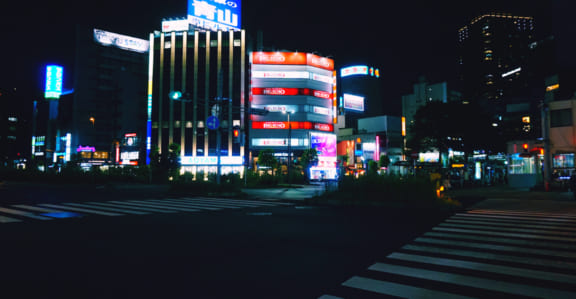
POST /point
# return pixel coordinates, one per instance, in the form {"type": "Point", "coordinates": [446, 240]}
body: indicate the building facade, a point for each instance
{"type": "Point", "coordinates": [500, 70]}
{"type": "Point", "coordinates": [196, 98]}
{"type": "Point", "coordinates": [360, 94]}
{"type": "Point", "coordinates": [106, 118]}
{"type": "Point", "coordinates": [296, 93]}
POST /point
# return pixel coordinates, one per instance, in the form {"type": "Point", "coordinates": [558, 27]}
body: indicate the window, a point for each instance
{"type": "Point", "coordinates": [561, 118]}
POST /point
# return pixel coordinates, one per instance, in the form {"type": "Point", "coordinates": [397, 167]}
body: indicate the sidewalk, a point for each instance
{"type": "Point", "coordinates": [503, 197]}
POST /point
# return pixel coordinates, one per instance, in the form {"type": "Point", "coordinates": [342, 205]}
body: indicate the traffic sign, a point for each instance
{"type": "Point", "coordinates": [212, 122]}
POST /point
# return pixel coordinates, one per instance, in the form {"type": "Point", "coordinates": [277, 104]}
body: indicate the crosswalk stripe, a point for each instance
{"type": "Point", "coordinates": [258, 202]}
{"type": "Point", "coordinates": [508, 229]}
{"type": "Point", "coordinates": [133, 206]}
{"type": "Point", "coordinates": [220, 203]}
{"type": "Point", "coordinates": [543, 219]}
{"type": "Point", "coordinates": [395, 289]}
{"type": "Point", "coordinates": [487, 255]}
{"type": "Point", "coordinates": [519, 272]}
{"type": "Point", "coordinates": [526, 213]}
{"type": "Point", "coordinates": [161, 206]}
{"type": "Point", "coordinates": [502, 240]}
{"type": "Point", "coordinates": [89, 211]}
{"type": "Point", "coordinates": [183, 205]}
{"type": "Point", "coordinates": [471, 281]}
{"type": "Point", "coordinates": [38, 209]}
{"type": "Point", "coordinates": [23, 213]}
{"type": "Point", "coordinates": [497, 247]}
{"type": "Point", "coordinates": [193, 205]}
{"type": "Point", "coordinates": [507, 224]}
{"type": "Point", "coordinates": [514, 235]}
{"type": "Point", "coordinates": [4, 219]}
{"type": "Point", "coordinates": [106, 208]}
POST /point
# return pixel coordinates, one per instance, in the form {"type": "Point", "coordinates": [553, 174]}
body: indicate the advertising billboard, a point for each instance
{"type": "Point", "coordinates": [353, 102]}
{"type": "Point", "coordinates": [215, 15]}
{"type": "Point", "coordinates": [124, 42]}
{"type": "Point", "coordinates": [325, 144]}
{"type": "Point", "coordinates": [54, 74]}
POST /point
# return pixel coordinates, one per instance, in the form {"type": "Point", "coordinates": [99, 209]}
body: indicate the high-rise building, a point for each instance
{"type": "Point", "coordinates": [106, 119]}
{"type": "Point", "coordinates": [196, 97]}
{"type": "Point", "coordinates": [500, 70]}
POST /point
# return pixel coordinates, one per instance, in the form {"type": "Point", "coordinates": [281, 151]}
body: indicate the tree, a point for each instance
{"type": "Point", "coordinates": [266, 158]}
{"type": "Point", "coordinates": [384, 161]}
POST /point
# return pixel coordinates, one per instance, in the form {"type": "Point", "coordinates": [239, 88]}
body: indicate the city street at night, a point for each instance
{"type": "Point", "coordinates": [187, 248]}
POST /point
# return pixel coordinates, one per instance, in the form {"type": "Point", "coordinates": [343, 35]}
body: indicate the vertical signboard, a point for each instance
{"type": "Point", "coordinates": [215, 15]}
{"type": "Point", "coordinates": [54, 74]}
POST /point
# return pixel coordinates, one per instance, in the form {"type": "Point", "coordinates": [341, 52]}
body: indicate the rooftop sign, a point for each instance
{"type": "Point", "coordinates": [121, 41]}
{"type": "Point", "coordinates": [215, 15]}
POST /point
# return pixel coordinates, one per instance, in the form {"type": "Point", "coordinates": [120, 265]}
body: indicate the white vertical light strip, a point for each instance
{"type": "Point", "coordinates": [68, 147]}
{"type": "Point", "coordinates": [160, 92]}
{"type": "Point", "coordinates": [171, 102]}
{"type": "Point", "coordinates": [149, 99]}
{"type": "Point", "coordinates": [183, 89]}
{"type": "Point", "coordinates": [207, 94]}
{"type": "Point", "coordinates": [195, 96]}
{"type": "Point", "coordinates": [242, 84]}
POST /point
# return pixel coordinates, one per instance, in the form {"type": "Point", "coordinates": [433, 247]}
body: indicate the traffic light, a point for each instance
{"type": "Point", "coordinates": [236, 134]}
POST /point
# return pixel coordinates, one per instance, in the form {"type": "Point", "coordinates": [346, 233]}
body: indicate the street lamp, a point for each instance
{"type": "Point", "coordinates": [289, 142]}
{"type": "Point", "coordinates": [92, 120]}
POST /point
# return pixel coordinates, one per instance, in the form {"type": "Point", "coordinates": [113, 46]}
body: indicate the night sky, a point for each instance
{"type": "Point", "coordinates": [405, 39]}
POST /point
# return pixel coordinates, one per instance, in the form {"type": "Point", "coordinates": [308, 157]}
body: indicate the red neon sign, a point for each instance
{"type": "Point", "coordinates": [292, 58]}
{"type": "Point", "coordinates": [280, 91]}
{"type": "Point", "coordinates": [296, 125]}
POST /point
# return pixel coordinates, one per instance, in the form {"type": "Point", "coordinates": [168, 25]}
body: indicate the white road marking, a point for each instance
{"type": "Point", "coordinates": [395, 289]}
{"type": "Point", "coordinates": [471, 281]}
{"type": "Point", "coordinates": [89, 211]}
{"type": "Point", "coordinates": [23, 213]}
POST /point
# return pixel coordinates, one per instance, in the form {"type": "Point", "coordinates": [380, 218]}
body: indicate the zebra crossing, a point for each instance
{"type": "Point", "coordinates": [476, 254]}
{"type": "Point", "coordinates": [48, 211]}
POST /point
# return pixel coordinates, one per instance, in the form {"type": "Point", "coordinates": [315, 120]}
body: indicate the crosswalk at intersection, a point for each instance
{"type": "Point", "coordinates": [478, 254]}
{"type": "Point", "coordinates": [48, 211]}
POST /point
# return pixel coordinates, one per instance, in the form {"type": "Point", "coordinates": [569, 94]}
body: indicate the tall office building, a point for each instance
{"type": "Point", "coordinates": [499, 70]}
{"type": "Point", "coordinates": [106, 117]}
{"type": "Point", "coordinates": [196, 97]}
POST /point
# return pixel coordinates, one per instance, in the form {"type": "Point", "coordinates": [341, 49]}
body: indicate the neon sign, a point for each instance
{"type": "Point", "coordinates": [212, 160]}
{"type": "Point", "coordinates": [215, 15]}
{"type": "Point", "coordinates": [54, 74]}
{"type": "Point", "coordinates": [121, 41]}
{"type": "Point", "coordinates": [361, 70]}
{"type": "Point", "coordinates": [292, 58]}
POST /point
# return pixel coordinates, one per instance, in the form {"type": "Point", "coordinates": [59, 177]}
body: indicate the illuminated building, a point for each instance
{"type": "Point", "coordinates": [109, 85]}
{"type": "Point", "coordinates": [500, 69]}
{"type": "Point", "coordinates": [293, 103]}
{"type": "Point", "coordinates": [14, 129]}
{"type": "Point", "coordinates": [360, 94]}
{"type": "Point", "coordinates": [206, 69]}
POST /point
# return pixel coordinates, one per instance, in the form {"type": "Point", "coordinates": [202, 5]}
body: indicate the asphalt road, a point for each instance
{"type": "Point", "coordinates": [258, 251]}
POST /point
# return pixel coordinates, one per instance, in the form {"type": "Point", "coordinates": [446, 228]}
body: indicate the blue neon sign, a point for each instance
{"type": "Point", "coordinates": [54, 74]}
{"type": "Point", "coordinates": [215, 14]}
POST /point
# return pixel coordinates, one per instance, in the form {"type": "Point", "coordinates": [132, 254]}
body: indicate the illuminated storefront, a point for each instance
{"type": "Point", "coordinates": [296, 92]}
